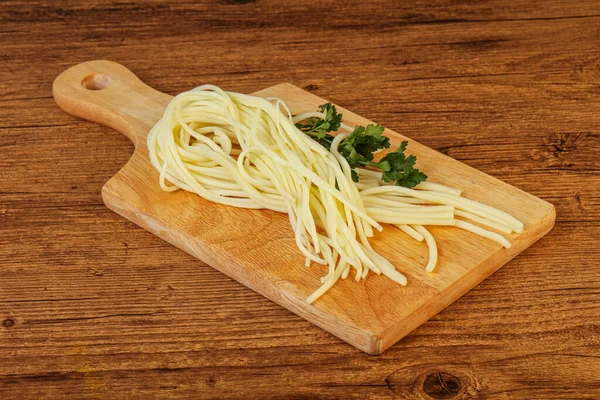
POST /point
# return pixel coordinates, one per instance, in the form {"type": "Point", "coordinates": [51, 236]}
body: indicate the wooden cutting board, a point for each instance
{"type": "Point", "coordinates": [257, 247]}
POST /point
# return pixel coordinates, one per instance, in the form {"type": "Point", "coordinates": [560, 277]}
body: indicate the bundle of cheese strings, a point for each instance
{"type": "Point", "coordinates": [246, 151]}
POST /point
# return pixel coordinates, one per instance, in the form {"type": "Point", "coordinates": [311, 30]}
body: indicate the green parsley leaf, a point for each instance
{"type": "Point", "coordinates": [318, 128]}
{"type": "Point", "coordinates": [401, 169]}
{"type": "Point", "coordinates": [366, 141]}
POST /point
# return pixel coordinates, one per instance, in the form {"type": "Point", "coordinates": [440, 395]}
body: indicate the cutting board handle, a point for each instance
{"type": "Point", "coordinates": [110, 94]}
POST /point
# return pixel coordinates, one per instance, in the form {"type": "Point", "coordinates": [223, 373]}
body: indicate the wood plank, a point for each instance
{"type": "Point", "coordinates": [495, 84]}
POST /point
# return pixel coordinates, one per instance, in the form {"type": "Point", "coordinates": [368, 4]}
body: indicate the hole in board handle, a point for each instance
{"type": "Point", "coordinates": [96, 81]}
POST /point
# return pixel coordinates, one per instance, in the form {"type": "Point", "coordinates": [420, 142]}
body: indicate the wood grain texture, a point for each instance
{"type": "Point", "coordinates": [92, 306]}
{"type": "Point", "coordinates": [257, 247]}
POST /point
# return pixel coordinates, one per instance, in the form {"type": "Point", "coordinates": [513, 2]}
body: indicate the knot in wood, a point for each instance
{"type": "Point", "coordinates": [311, 87]}
{"type": "Point", "coordinates": [8, 322]}
{"type": "Point", "coordinates": [442, 385]}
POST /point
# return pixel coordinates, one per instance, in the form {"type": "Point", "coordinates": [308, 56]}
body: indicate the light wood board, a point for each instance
{"type": "Point", "coordinates": [257, 248]}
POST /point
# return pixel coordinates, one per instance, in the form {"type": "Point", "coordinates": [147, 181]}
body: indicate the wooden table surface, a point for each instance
{"type": "Point", "coordinates": [93, 306]}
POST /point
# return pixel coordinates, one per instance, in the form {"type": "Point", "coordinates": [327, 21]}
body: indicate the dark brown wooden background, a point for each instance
{"type": "Point", "coordinates": [92, 306]}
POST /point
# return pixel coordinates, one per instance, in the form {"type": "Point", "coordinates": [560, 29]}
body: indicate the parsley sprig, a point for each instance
{"type": "Point", "coordinates": [359, 146]}
{"type": "Point", "coordinates": [317, 128]}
